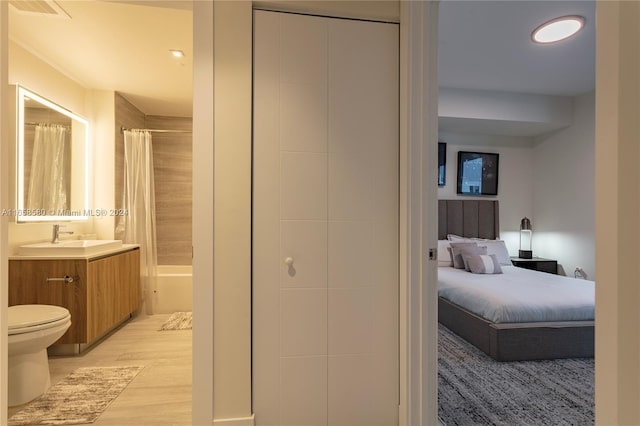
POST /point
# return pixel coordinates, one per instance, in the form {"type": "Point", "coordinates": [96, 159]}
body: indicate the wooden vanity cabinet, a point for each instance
{"type": "Point", "coordinates": [105, 290]}
{"type": "Point", "coordinates": [113, 291]}
{"type": "Point", "coordinates": [28, 285]}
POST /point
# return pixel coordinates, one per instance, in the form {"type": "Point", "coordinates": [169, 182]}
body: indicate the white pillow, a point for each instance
{"type": "Point", "coordinates": [483, 264]}
{"type": "Point", "coordinates": [459, 249]}
{"type": "Point", "coordinates": [454, 237]}
{"type": "Point", "coordinates": [499, 248]}
{"type": "Point", "coordinates": [444, 257]}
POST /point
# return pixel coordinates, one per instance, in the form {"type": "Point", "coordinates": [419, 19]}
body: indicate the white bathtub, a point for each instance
{"type": "Point", "coordinates": [174, 289]}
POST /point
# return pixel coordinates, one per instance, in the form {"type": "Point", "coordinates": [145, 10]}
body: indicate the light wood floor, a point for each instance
{"type": "Point", "coordinates": [161, 393]}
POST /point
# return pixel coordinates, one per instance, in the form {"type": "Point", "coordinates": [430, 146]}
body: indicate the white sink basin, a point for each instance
{"type": "Point", "coordinates": [69, 248]}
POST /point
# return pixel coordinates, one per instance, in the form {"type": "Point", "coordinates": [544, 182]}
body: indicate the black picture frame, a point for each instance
{"type": "Point", "coordinates": [442, 163]}
{"type": "Point", "coordinates": [478, 173]}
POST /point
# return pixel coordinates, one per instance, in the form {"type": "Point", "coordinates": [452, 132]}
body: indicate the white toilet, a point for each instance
{"type": "Point", "coordinates": [32, 328]}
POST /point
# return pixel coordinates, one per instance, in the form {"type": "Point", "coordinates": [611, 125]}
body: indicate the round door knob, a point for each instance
{"type": "Point", "coordinates": [288, 261]}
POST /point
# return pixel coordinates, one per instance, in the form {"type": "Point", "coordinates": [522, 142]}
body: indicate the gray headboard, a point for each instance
{"type": "Point", "coordinates": [468, 218]}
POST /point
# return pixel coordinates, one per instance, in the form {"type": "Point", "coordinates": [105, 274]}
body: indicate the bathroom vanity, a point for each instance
{"type": "Point", "coordinates": [101, 288]}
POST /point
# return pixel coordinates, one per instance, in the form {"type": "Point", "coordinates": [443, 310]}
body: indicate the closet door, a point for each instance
{"type": "Point", "coordinates": [325, 221]}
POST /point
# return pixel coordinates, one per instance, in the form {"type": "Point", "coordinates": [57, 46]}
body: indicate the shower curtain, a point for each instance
{"type": "Point", "coordinates": [49, 174]}
{"type": "Point", "coordinates": [138, 226]}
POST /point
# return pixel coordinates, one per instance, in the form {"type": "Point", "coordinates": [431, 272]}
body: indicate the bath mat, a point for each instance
{"type": "Point", "coordinates": [178, 321]}
{"type": "Point", "coordinates": [79, 398]}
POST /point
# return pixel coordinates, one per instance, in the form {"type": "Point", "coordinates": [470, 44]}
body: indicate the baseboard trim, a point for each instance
{"type": "Point", "coordinates": [240, 421]}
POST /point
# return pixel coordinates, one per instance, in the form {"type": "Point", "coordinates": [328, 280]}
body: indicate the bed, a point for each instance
{"type": "Point", "coordinates": [561, 332]}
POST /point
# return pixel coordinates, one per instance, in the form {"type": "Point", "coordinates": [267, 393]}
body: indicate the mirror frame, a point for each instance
{"type": "Point", "coordinates": [84, 212]}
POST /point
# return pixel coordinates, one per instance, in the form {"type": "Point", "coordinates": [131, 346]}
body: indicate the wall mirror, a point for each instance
{"type": "Point", "coordinates": [52, 158]}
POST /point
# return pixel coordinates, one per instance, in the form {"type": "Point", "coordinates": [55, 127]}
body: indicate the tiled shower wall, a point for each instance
{"type": "Point", "coordinates": [172, 159]}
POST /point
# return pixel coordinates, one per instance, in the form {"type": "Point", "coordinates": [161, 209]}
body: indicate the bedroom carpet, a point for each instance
{"type": "Point", "coordinates": [79, 398]}
{"type": "Point", "coordinates": [473, 389]}
{"type": "Point", "coordinates": [178, 321]}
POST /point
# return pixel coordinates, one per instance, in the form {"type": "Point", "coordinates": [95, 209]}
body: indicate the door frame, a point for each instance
{"type": "Point", "coordinates": [417, 375]}
{"type": "Point", "coordinates": [4, 198]}
{"type": "Point", "coordinates": [203, 211]}
{"type": "Point", "coordinates": [269, 24]}
{"type": "Point", "coordinates": [418, 212]}
{"type": "Point", "coordinates": [418, 66]}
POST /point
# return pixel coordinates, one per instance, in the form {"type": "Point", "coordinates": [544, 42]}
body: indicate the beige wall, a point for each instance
{"type": "Point", "coordinates": [617, 212]}
{"type": "Point", "coordinates": [38, 76]}
{"type": "Point", "coordinates": [103, 117]}
{"type": "Point", "coordinates": [232, 214]}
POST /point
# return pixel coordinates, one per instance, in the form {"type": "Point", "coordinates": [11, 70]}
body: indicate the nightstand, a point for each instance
{"type": "Point", "coordinates": [537, 264]}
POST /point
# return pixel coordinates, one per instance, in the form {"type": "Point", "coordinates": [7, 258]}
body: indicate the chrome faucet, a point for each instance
{"type": "Point", "coordinates": [55, 237]}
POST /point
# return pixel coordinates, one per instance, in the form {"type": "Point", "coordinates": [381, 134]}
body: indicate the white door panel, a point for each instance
{"type": "Point", "coordinates": [303, 186]}
{"type": "Point", "coordinates": [350, 252]}
{"type": "Point", "coordinates": [325, 218]}
{"type": "Point", "coordinates": [303, 322]}
{"type": "Point", "coordinates": [351, 186]}
{"type": "Point", "coordinates": [303, 391]}
{"type": "Point", "coordinates": [303, 117]}
{"type": "Point", "coordinates": [305, 243]}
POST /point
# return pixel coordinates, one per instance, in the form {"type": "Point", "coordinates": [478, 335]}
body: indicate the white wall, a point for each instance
{"type": "Point", "coordinates": [232, 210]}
{"type": "Point", "coordinates": [563, 192]}
{"type": "Point", "coordinates": [550, 179]}
{"type": "Point", "coordinates": [485, 111]}
{"type": "Point", "coordinates": [203, 150]}
{"type": "Point", "coordinates": [515, 175]}
{"type": "Point", "coordinates": [101, 104]}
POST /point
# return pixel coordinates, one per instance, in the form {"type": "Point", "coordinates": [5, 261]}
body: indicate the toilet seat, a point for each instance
{"type": "Point", "coordinates": [29, 318]}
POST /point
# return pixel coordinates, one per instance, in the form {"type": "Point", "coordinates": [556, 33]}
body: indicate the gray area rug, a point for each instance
{"type": "Point", "coordinates": [473, 389]}
{"type": "Point", "coordinates": [178, 321]}
{"type": "Point", "coordinates": [79, 398]}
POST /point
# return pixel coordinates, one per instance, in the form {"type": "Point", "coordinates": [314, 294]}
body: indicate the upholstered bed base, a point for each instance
{"type": "Point", "coordinates": [513, 341]}
{"type": "Point", "coordinates": [519, 341]}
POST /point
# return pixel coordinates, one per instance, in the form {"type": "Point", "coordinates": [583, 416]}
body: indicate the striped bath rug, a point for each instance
{"type": "Point", "coordinates": [178, 321]}
{"type": "Point", "coordinates": [79, 398]}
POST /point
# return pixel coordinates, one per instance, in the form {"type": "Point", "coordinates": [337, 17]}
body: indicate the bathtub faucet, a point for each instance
{"type": "Point", "coordinates": [56, 234]}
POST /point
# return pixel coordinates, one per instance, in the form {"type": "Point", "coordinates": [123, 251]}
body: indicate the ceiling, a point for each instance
{"type": "Point", "coordinates": [117, 45]}
{"type": "Point", "coordinates": [486, 45]}
{"type": "Point", "coordinates": [123, 45]}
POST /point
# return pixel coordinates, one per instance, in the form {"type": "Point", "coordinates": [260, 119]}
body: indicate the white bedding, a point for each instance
{"type": "Point", "coordinates": [519, 295]}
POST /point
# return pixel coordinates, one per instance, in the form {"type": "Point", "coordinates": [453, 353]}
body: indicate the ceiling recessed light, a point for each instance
{"type": "Point", "coordinates": [177, 53]}
{"type": "Point", "coordinates": [557, 29]}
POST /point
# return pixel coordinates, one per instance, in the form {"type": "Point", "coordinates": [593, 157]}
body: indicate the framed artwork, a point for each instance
{"type": "Point", "coordinates": [477, 173]}
{"type": "Point", "coordinates": [442, 163]}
